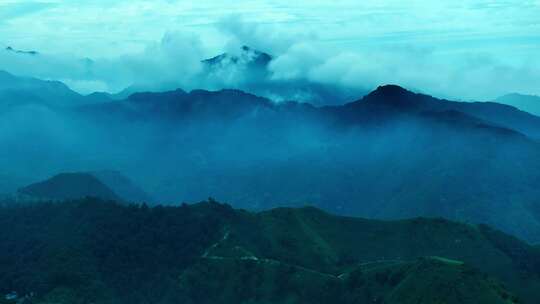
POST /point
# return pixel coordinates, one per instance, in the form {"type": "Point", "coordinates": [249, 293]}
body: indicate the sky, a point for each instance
{"type": "Point", "coordinates": [459, 49]}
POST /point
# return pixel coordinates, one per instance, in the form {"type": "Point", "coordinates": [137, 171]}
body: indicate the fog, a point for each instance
{"type": "Point", "coordinates": [261, 155]}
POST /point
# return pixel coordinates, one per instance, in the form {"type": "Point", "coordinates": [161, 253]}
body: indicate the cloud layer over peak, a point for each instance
{"type": "Point", "coordinates": [466, 50]}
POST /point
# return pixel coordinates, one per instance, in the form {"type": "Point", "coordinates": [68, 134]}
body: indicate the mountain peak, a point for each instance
{"type": "Point", "coordinates": [390, 90]}
{"type": "Point", "coordinates": [246, 56]}
{"type": "Point", "coordinates": [397, 97]}
{"type": "Point", "coordinates": [67, 186]}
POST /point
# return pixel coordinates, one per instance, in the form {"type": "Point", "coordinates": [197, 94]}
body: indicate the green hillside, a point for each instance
{"type": "Point", "coordinates": [313, 239]}
{"type": "Point", "coordinates": [92, 251]}
{"type": "Point", "coordinates": [423, 281]}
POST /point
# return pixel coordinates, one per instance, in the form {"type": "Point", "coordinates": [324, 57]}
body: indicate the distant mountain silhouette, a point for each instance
{"type": "Point", "coordinates": [16, 91]}
{"type": "Point", "coordinates": [393, 99]}
{"type": "Point", "coordinates": [248, 58]}
{"type": "Point", "coordinates": [393, 96]}
{"type": "Point", "coordinates": [98, 97]}
{"type": "Point", "coordinates": [384, 103]}
{"type": "Point", "coordinates": [68, 186]}
{"type": "Point", "coordinates": [123, 186]}
{"type": "Point", "coordinates": [527, 103]}
{"type": "Point", "coordinates": [248, 69]}
{"type": "Point", "coordinates": [32, 53]}
{"type": "Point", "coordinates": [392, 154]}
{"type": "Point", "coordinates": [178, 105]}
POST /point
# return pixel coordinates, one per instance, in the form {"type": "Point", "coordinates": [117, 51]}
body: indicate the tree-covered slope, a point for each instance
{"type": "Point", "coordinates": [424, 281]}
{"type": "Point", "coordinates": [100, 252]}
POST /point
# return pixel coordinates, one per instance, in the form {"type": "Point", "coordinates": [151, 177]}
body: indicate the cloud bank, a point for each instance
{"type": "Point", "coordinates": [471, 50]}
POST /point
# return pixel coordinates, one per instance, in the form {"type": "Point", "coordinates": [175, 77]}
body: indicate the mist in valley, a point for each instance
{"type": "Point", "coordinates": [258, 154]}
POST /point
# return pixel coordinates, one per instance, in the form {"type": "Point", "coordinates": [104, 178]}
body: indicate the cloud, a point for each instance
{"type": "Point", "coordinates": [272, 38]}
{"type": "Point", "coordinates": [296, 62]}
{"type": "Point", "coordinates": [464, 76]}
{"type": "Point", "coordinates": [12, 10]}
{"type": "Point", "coordinates": [456, 50]}
{"type": "Point", "coordinates": [173, 61]}
{"type": "Point", "coordinates": [457, 64]}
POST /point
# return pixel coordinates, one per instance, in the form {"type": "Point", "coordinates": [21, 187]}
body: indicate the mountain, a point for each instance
{"type": "Point", "coordinates": [427, 280]}
{"type": "Point", "coordinates": [395, 99]}
{"type": "Point", "coordinates": [385, 100]}
{"type": "Point", "coordinates": [102, 252]}
{"type": "Point", "coordinates": [98, 97]}
{"type": "Point", "coordinates": [123, 186]}
{"type": "Point", "coordinates": [66, 186]}
{"type": "Point", "coordinates": [393, 154]}
{"type": "Point", "coordinates": [32, 53]}
{"type": "Point", "coordinates": [403, 281]}
{"type": "Point", "coordinates": [17, 91]}
{"type": "Point", "coordinates": [433, 181]}
{"type": "Point", "coordinates": [179, 105]}
{"type": "Point", "coordinates": [527, 103]}
{"type": "Point", "coordinates": [143, 88]}
{"type": "Point", "coordinates": [249, 70]}
{"type": "Point", "coordinates": [253, 61]}
{"type": "Point", "coordinates": [104, 184]}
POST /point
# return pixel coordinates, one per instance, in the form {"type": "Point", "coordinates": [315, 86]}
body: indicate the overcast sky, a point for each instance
{"type": "Point", "coordinates": [458, 49]}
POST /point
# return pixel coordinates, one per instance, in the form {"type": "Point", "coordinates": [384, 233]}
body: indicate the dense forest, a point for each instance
{"type": "Point", "coordinates": [95, 251]}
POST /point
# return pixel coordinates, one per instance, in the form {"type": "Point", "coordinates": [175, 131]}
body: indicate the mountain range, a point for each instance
{"type": "Point", "coordinates": [21, 91]}
{"type": "Point", "coordinates": [392, 154]}
{"type": "Point", "coordinates": [245, 69]}
{"type": "Point", "coordinates": [529, 103]}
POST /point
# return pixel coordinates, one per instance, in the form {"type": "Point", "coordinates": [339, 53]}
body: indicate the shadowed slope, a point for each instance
{"type": "Point", "coordinates": [67, 186]}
